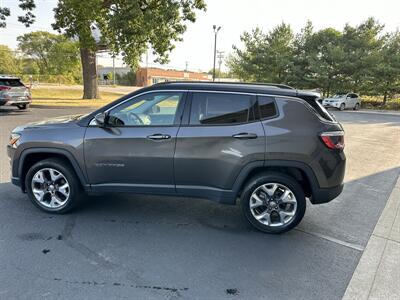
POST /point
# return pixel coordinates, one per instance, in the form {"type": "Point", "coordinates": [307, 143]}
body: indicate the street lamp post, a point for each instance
{"type": "Point", "coordinates": [215, 46]}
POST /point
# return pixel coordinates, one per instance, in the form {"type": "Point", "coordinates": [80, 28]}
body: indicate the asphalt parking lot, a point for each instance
{"type": "Point", "coordinates": [142, 247]}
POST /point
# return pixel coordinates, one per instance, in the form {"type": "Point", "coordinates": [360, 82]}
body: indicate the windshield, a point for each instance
{"type": "Point", "coordinates": [10, 82]}
{"type": "Point", "coordinates": [339, 96]}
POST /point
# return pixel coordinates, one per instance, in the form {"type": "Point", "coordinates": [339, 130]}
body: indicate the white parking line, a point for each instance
{"type": "Point", "coordinates": [333, 240]}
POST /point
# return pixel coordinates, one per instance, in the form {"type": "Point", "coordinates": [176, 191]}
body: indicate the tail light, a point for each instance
{"type": "Point", "coordinates": [333, 139]}
{"type": "Point", "coordinates": [4, 88]}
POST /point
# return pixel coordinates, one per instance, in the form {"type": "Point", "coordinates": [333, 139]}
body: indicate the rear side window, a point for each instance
{"type": "Point", "coordinates": [11, 82]}
{"type": "Point", "coordinates": [319, 110]}
{"type": "Point", "coordinates": [267, 107]}
{"type": "Point", "coordinates": [220, 109]}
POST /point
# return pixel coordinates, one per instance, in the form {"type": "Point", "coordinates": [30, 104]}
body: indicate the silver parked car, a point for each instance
{"type": "Point", "coordinates": [343, 101]}
{"type": "Point", "coordinates": [14, 92]}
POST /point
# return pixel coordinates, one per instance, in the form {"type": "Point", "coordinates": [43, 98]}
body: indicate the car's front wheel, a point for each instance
{"type": "Point", "coordinates": [273, 202]}
{"type": "Point", "coordinates": [52, 186]}
{"type": "Point", "coordinates": [342, 106]}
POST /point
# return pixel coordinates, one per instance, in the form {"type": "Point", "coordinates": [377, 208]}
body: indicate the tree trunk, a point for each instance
{"type": "Point", "coordinates": [89, 71]}
{"type": "Point", "coordinates": [385, 97]}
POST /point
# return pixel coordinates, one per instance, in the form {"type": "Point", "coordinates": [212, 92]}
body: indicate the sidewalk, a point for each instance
{"type": "Point", "coordinates": [377, 275]}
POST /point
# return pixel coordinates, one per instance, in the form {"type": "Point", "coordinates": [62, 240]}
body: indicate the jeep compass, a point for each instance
{"type": "Point", "coordinates": [269, 147]}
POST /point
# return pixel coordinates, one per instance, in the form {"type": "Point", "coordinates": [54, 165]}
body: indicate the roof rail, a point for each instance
{"type": "Point", "coordinates": [277, 85]}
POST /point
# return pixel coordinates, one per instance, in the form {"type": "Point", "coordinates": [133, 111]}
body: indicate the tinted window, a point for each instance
{"type": "Point", "coordinates": [220, 108]}
{"type": "Point", "coordinates": [10, 82]}
{"type": "Point", "coordinates": [153, 109]}
{"type": "Point", "coordinates": [267, 107]}
{"type": "Point", "coordinates": [318, 108]}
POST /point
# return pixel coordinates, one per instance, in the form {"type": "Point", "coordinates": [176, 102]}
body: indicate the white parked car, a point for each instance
{"type": "Point", "coordinates": [343, 101]}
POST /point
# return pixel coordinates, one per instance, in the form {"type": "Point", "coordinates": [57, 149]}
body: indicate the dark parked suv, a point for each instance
{"type": "Point", "coordinates": [271, 146]}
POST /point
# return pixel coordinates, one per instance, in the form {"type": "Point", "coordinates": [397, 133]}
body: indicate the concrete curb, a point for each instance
{"type": "Point", "coordinates": [372, 111]}
{"type": "Point", "coordinates": [378, 272]}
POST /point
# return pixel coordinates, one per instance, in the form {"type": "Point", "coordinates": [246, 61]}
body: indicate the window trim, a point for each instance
{"type": "Point", "coordinates": [188, 109]}
{"type": "Point", "coordinates": [178, 115]}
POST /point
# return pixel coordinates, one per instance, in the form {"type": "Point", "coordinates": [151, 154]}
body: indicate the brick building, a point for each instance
{"type": "Point", "coordinates": [149, 76]}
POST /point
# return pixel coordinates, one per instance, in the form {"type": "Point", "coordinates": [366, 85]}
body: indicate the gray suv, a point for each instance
{"type": "Point", "coordinates": [270, 146]}
{"type": "Point", "coordinates": [13, 92]}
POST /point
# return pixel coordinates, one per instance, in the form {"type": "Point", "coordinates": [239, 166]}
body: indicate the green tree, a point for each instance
{"type": "Point", "coordinates": [9, 62]}
{"type": "Point", "coordinates": [326, 56]}
{"type": "Point", "coordinates": [301, 74]}
{"type": "Point", "coordinates": [52, 53]}
{"type": "Point", "coordinates": [129, 27]}
{"type": "Point", "coordinates": [361, 45]}
{"type": "Point", "coordinates": [266, 57]}
{"type": "Point", "coordinates": [386, 79]}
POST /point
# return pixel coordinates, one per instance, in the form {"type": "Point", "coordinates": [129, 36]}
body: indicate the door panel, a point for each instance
{"type": "Point", "coordinates": [220, 139]}
{"type": "Point", "coordinates": [211, 157]}
{"type": "Point", "coordinates": [137, 147]}
{"type": "Point", "coordinates": [128, 156]}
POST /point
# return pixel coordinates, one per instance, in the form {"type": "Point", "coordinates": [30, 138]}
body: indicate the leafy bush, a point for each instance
{"type": "Point", "coordinates": [377, 103]}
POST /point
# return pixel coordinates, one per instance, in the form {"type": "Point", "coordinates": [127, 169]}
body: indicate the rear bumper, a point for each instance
{"type": "Point", "coordinates": [5, 102]}
{"type": "Point", "coordinates": [325, 195]}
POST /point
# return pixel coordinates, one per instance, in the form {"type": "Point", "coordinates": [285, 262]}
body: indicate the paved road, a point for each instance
{"type": "Point", "coordinates": [168, 248]}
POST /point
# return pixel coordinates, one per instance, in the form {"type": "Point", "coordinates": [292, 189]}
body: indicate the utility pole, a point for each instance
{"type": "Point", "coordinates": [186, 65]}
{"type": "Point", "coordinates": [220, 55]}
{"type": "Point", "coordinates": [113, 69]}
{"type": "Point", "coordinates": [215, 46]}
{"type": "Point", "coordinates": [147, 58]}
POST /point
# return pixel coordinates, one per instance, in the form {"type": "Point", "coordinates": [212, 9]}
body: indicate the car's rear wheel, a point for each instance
{"type": "Point", "coordinates": [357, 106]}
{"type": "Point", "coordinates": [273, 202]}
{"type": "Point", "coordinates": [52, 186]}
{"type": "Point", "coordinates": [342, 106]}
{"type": "Point", "coordinates": [23, 106]}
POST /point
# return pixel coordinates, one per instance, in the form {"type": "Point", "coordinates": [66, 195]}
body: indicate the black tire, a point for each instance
{"type": "Point", "coordinates": [23, 106]}
{"type": "Point", "coordinates": [357, 106]}
{"type": "Point", "coordinates": [342, 107]}
{"type": "Point", "coordinates": [75, 188]}
{"type": "Point", "coordinates": [273, 177]}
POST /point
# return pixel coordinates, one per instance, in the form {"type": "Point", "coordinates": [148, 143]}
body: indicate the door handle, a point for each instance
{"type": "Point", "coordinates": [159, 136]}
{"type": "Point", "coordinates": [245, 136]}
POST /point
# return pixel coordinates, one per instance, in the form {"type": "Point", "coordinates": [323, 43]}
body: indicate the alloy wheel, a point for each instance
{"type": "Point", "coordinates": [50, 188]}
{"type": "Point", "coordinates": [273, 204]}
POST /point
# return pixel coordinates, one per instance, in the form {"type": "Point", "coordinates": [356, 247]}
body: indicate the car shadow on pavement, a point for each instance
{"type": "Point", "coordinates": [13, 111]}
{"type": "Point", "coordinates": [129, 241]}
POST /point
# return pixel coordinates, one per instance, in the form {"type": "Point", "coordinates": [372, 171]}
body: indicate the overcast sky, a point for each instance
{"type": "Point", "coordinates": [235, 16]}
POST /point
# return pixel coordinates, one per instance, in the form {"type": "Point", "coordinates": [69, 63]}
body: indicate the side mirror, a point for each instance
{"type": "Point", "coordinates": [101, 119]}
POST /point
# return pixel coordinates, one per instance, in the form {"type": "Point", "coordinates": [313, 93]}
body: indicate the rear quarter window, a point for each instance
{"type": "Point", "coordinates": [318, 109]}
{"type": "Point", "coordinates": [267, 107]}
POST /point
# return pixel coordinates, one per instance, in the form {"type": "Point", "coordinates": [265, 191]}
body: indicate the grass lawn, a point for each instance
{"type": "Point", "coordinates": [377, 103]}
{"type": "Point", "coordinates": [69, 97]}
